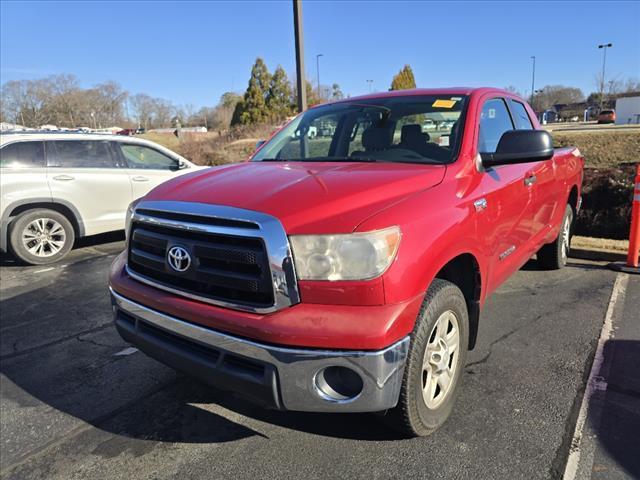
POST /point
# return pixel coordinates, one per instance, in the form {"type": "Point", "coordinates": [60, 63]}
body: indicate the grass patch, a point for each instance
{"type": "Point", "coordinates": [602, 149]}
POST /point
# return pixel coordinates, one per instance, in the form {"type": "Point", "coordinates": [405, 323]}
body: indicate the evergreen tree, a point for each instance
{"type": "Point", "coordinates": [254, 105]}
{"type": "Point", "coordinates": [336, 92]}
{"type": "Point", "coordinates": [279, 95]}
{"type": "Point", "coordinates": [404, 79]}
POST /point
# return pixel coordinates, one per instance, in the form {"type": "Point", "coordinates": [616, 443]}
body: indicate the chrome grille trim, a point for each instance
{"type": "Point", "coordinates": [269, 229]}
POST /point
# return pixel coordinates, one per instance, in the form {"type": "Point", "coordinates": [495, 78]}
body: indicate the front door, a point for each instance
{"type": "Point", "coordinates": [506, 223]}
{"type": "Point", "coordinates": [146, 166]}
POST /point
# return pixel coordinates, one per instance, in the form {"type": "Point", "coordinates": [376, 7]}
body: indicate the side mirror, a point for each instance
{"type": "Point", "coordinates": [259, 143]}
{"type": "Point", "coordinates": [520, 146]}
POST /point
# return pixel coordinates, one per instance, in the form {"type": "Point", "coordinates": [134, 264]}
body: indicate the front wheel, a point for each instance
{"type": "Point", "coordinates": [41, 236]}
{"type": "Point", "coordinates": [553, 256]}
{"type": "Point", "coordinates": [434, 364]}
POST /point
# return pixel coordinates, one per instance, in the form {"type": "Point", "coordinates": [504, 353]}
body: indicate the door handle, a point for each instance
{"type": "Point", "coordinates": [63, 178]}
{"type": "Point", "coordinates": [140, 178]}
{"type": "Point", "coordinates": [530, 180]}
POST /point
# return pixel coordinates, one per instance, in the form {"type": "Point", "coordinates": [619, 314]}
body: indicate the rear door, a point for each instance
{"type": "Point", "coordinates": [541, 179]}
{"type": "Point", "coordinates": [86, 173]}
{"type": "Point", "coordinates": [506, 219]}
{"type": "Point", "coordinates": [23, 173]}
{"type": "Point", "coordinates": [147, 167]}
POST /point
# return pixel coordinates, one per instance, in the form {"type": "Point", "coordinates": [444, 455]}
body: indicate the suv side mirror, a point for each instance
{"type": "Point", "coordinates": [520, 146]}
{"type": "Point", "coordinates": [259, 143]}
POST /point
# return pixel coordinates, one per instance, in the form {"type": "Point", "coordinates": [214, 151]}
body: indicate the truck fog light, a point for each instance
{"type": "Point", "coordinates": [338, 384]}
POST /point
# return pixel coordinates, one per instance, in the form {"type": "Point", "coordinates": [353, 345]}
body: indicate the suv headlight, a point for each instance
{"type": "Point", "coordinates": [353, 256]}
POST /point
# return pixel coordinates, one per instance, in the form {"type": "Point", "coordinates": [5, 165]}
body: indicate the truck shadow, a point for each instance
{"type": "Point", "coordinates": [59, 349]}
{"type": "Point", "coordinates": [614, 414]}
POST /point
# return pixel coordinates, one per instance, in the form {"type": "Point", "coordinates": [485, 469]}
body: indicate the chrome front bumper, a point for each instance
{"type": "Point", "coordinates": [284, 378]}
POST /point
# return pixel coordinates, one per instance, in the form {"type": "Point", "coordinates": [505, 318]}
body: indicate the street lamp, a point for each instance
{"type": "Point", "coordinates": [533, 78]}
{"type": "Point", "coordinates": [604, 46]}
{"type": "Point", "coordinates": [535, 92]}
{"type": "Point", "coordinates": [370, 82]}
{"type": "Point", "coordinates": [318, 73]}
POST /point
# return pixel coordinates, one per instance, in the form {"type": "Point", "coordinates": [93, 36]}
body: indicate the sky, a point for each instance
{"type": "Point", "coordinates": [193, 52]}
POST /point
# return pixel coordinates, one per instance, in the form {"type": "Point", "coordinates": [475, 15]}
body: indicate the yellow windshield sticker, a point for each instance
{"type": "Point", "coordinates": [441, 103]}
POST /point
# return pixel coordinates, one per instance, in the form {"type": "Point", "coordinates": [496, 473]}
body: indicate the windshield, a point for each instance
{"type": "Point", "coordinates": [411, 129]}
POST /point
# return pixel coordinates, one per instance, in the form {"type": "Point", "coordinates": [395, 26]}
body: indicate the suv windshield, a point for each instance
{"type": "Point", "coordinates": [411, 129]}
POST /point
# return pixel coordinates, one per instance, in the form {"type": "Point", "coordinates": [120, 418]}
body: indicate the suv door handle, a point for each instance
{"type": "Point", "coordinates": [140, 178]}
{"type": "Point", "coordinates": [530, 180]}
{"type": "Point", "coordinates": [63, 178]}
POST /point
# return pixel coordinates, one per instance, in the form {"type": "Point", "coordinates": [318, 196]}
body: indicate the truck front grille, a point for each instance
{"type": "Point", "coordinates": [225, 268]}
{"type": "Point", "coordinates": [229, 262]}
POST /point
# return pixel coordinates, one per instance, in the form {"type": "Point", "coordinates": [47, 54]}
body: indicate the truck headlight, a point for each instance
{"type": "Point", "coordinates": [352, 256]}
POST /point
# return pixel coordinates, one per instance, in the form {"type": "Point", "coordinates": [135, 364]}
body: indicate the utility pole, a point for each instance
{"type": "Point", "coordinates": [370, 82]}
{"type": "Point", "coordinates": [533, 78]}
{"type": "Point", "coordinates": [300, 76]}
{"type": "Point", "coordinates": [604, 61]}
{"type": "Point", "coordinates": [318, 73]}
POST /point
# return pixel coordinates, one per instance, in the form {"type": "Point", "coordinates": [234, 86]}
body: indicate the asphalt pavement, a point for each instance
{"type": "Point", "coordinates": [77, 402]}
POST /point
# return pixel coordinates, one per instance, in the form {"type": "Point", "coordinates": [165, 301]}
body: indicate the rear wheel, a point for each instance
{"type": "Point", "coordinates": [41, 236]}
{"type": "Point", "coordinates": [434, 365]}
{"type": "Point", "coordinates": [553, 256]}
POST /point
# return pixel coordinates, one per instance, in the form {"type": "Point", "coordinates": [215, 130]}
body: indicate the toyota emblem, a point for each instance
{"type": "Point", "coordinates": [178, 258]}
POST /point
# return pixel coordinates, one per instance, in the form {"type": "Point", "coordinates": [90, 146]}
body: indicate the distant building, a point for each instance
{"type": "Point", "coordinates": [628, 109]}
{"type": "Point", "coordinates": [5, 126]}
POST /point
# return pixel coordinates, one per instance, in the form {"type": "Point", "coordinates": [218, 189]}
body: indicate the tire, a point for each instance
{"type": "Point", "coordinates": [419, 412]}
{"type": "Point", "coordinates": [41, 236]}
{"type": "Point", "coordinates": [553, 256]}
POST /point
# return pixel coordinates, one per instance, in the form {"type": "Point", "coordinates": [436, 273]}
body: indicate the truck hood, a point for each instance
{"type": "Point", "coordinates": [307, 197]}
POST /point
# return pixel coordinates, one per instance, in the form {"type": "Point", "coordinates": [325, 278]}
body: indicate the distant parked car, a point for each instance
{"type": "Point", "coordinates": [127, 132]}
{"type": "Point", "coordinates": [57, 187]}
{"type": "Point", "coordinates": [607, 116]}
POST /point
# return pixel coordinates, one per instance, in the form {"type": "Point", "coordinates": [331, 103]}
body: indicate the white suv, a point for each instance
{"type": "Point", "coordinates": [56, 187]}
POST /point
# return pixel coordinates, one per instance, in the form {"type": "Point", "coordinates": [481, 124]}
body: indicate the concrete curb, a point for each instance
{"type": "Point", "coordinates": [597, 255]}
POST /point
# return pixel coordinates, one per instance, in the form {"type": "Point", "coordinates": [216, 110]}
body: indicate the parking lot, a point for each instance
{"type": "Point", "coordinates": [77, 402]}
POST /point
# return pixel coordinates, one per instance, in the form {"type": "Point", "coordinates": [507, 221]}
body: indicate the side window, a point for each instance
{"type": "Point", "coordinates": [494, 121]}
{"type": "Point", "coordinates": [138, 156]}
{"type": "Point", "coordinates": [523, 122]}
{"type": "Point", "coordinates": [22, 155]}
{"type": "Point", "coordinates": [80, 154]}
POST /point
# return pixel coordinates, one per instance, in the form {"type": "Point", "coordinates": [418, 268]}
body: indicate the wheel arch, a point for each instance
{"type": "Point", "coordinates": [573, 199]}
{"type": "Point", "coordinates": [61, 206]}
{"type": "Point", "coordinates": [463, 270]}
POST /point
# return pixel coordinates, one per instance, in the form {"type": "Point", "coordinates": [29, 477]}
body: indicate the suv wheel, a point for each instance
{"type": "Point", "coordinates": [553, 256]}
{"type": "Point", "coordinates": [434, 365]}
{"type": "Point", "coordinates": [41, 236]}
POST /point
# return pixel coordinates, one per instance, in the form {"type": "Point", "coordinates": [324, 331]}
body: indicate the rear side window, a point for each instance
{"type": "Point", "coordinates": [22, 155]}
{"type": "Point", "coordinates": [138, 156]}
{"type": "Point", "coordinates": [80, 154]}
{"type": "Point", "coordinates": [494, 121]}
{"type": "Point", "coordinates": [523, 122]}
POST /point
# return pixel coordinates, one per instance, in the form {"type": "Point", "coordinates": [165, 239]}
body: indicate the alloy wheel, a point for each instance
{"type": "Point", "coordinates": [440, 361]}
{"type": "Point", "coordinates": [44, 237]}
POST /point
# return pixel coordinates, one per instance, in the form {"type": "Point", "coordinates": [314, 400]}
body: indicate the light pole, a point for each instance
{"type": "Point", "coordinates": [300, 77]}
{"type": "Point", "coordinates": [370, 83]}
{"type": "Point", "coordinates": [318, 73]}
{"type": "Point", "coordinates": [533, 97]}
{"type": "Point", "coordinates": [533, 78]}
{"type": "Point", "coordinates": [604, 46]}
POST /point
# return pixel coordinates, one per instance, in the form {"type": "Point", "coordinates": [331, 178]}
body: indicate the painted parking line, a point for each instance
{"type": "Point", "coordinates": [45, 270]}
{"type": "Point", "coordinates": [126, 351]}
{"type": "Point", "coordinates": [597, 378]}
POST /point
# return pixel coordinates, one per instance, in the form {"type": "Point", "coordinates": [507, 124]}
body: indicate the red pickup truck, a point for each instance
{"type": "Point", "coordinates": [345, 272]}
